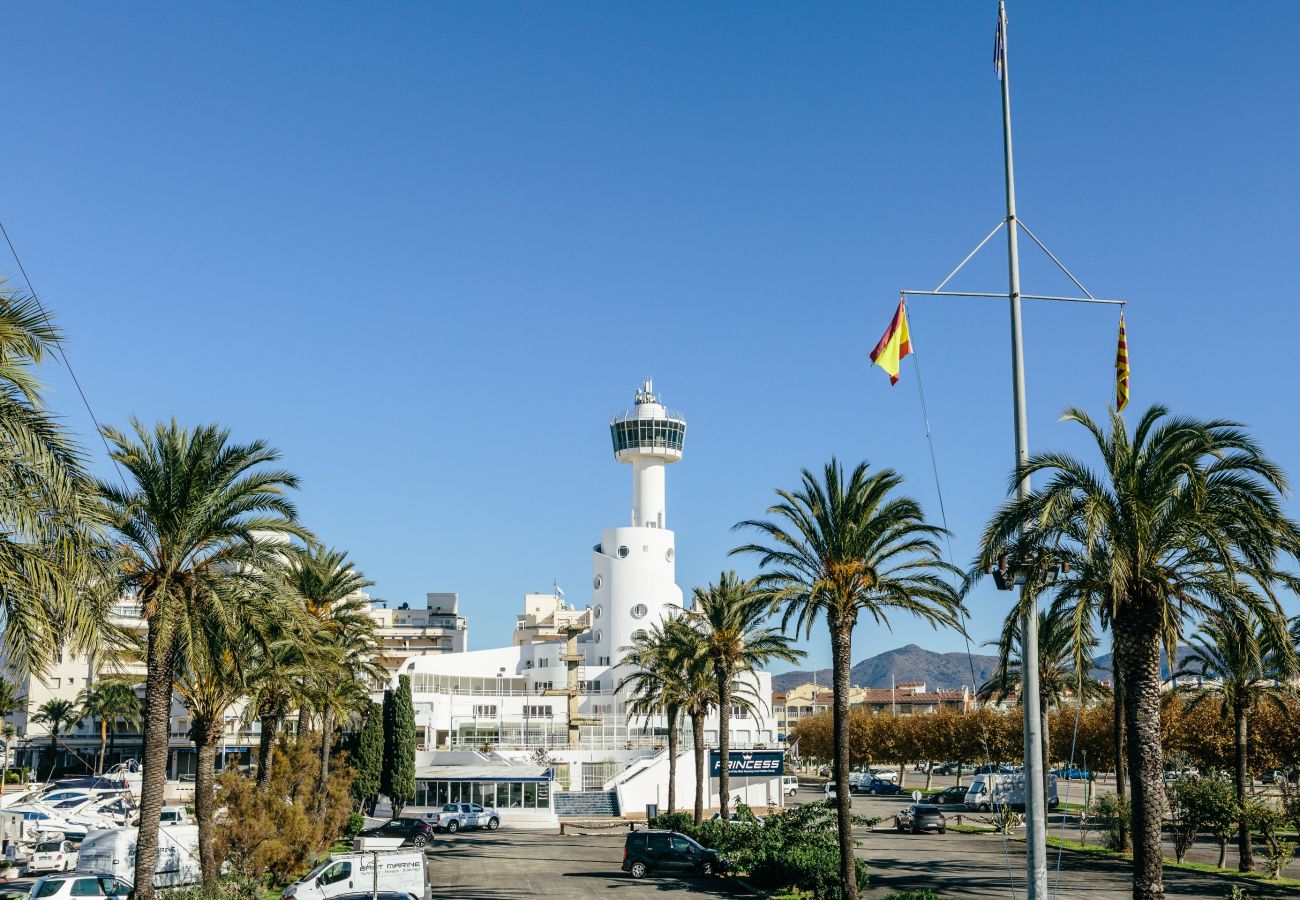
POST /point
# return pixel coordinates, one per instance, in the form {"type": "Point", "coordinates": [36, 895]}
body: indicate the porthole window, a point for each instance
{"type": "Point", "coordinates": [669, 554]}
{"type": "Point", "coordinates": [599, 636]}
{"type": "Point", "coordinates": [598, 581]}
{"type": "Point", "coordinates": [638, 634]}
{"type": "Point", "coordinates": [597, 615]}
{"type": "Point", "coordinates": [622, 552]}
{"type": "Point", "coordinates": [639, 611]}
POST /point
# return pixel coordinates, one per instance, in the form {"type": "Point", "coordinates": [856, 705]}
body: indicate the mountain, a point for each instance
{"type": "Point", "coordinates": [910, 663]}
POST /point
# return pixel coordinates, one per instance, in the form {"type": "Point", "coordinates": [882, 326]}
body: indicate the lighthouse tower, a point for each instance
{"type": "Point", "coordinates": [634, 573]}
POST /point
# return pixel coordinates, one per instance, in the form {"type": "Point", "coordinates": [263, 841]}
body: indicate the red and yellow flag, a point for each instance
{"type": "Point", "coordinates": [895, 345]}
{"type": "Point", "coordinates": [1121, 369]}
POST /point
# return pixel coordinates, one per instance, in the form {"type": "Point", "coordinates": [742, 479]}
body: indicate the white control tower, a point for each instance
{"type": "Point", "coordinates": [634, 574]}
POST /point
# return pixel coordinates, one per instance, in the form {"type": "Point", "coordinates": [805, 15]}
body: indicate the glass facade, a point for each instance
{"type": "Point", "coordinates": [496, 794]}
{"type": "Point", "coordinates": [633, 434]}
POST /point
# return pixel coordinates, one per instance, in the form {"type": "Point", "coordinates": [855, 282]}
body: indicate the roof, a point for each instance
{"type": "Point", "coordinates": [484, 773]}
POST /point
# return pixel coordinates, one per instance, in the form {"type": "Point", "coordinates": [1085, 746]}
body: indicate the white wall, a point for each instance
{"type": "Point", "coordinates": [649, 784]}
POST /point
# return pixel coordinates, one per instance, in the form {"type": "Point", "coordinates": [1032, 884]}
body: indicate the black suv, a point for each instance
{"type": "Point", "coordinates": [666, 851]}
{"type": "Point", "coordinates": [413, 832]}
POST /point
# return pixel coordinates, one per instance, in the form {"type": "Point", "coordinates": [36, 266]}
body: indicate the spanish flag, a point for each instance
{"type": "Point", "coordinates": [1121, 369]}
{"type": "Point", "coordinates": [895, 345]}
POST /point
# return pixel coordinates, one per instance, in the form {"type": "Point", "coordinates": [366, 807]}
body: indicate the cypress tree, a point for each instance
{"type": "Point", "coordinates": [390, 732]}
{"type": "Point", "coordinates": [370, 759]}
{"type": "Point", "coordinates": [401, 787]}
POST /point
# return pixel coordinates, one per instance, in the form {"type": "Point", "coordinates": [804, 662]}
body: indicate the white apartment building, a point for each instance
{"type": "Point", "coordinates": [404, 632]}
{"type": "Point", "coordinates": [548, 618]}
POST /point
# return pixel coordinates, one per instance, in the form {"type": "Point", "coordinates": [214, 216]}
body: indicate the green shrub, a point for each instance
{"type": "Point", "coordinates": [676, 821]}
{"type": "Point", "coordinates": [912, 895]}
{"type": "Point", "coordinates": [356, 822]}
{"type": "Point", "coordinates": [225, 889]}
{"type": "Point", "coordinates": [1110, 812]}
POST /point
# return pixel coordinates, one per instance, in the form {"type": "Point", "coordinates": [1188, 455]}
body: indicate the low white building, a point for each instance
{"type": "Point", "coordinates": [515, 703]}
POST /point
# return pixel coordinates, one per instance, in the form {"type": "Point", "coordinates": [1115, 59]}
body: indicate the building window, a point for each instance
{"type": "Point", "coordinates": [596, 612]}
{"type": "Point", "coordinates": [543, 686]}
{"type": "Point", "coordinates": [599, 636]}
{"type": "Point", "coordinates": [639, 611]}
{"type": "Point", "coordinates": [602, 660]}
{"type": "Point", "coordinates": [623, 552]}
{"type": "Point", "coordinates": [596, 583]}
{"type": "Point", "coordinates": [543, 663]}
{"type": "Point", "coordinates": [538, 712]}
{"type": "Point", "coordinates": [639, 634]}
{"type": "Point", "coordinates": [485, 711]}
{"type": "Point", "coordinates": [739, 712]}
{"type": "Point", "coordinates": [668, 555]}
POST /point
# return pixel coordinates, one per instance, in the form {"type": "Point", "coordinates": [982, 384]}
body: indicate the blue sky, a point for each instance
{"type": "Point", "coordinates": [428, 249]}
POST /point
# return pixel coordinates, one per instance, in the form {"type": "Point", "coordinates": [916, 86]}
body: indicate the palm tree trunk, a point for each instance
{"type": "Point", "coordinates": [206, 738]}
{"type": "Point", "coordinates": [266, 749]}
{"type": "Point", "coordinates": [724, 742]}
{"type": "Point", "coordinates": [841, 661]}
{"type": "Point", "coordinates": [304, 721]}
{"type": "Point", "coordinates": [161, 656]}
{"type": "Point", "coordinates": [326, 742]}
{"type": "Point", "coordinates": [54, 749]}
{"type": "Point", "coordinates": [1245, 855]}
{"type": "Point", "coordinates": [1121, 765]}
{"type": "Point", "coordinates": [672, 761]}
{"type": "Point", "coordinates": [1138, 646]}
{"type": "Point", "coordinates": [103, 745]}
{"type": "Point", "coordinates": [697, 734]}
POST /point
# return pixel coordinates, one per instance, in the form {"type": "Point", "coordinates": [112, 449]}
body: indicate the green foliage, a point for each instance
{"type": "Point", "coordinates": [356, 822]}
{"type": "Point", "coordinates": [797, 849]}
{"type": "Point", "coordinates": [370, 758]}
{"type": "Point", "coordinates": [1269, 820]}
{"type": "Point", "coordinates": [1201, 804]}
{"type": "Point", "coordinates": [1005, 820]}
{"type": "Point", "coordinates": [913, 895]}
{"type": "Point", "coordinates": [1111, 812]}
{"type": "Point", "coordinates": [674, 821]}
{"type": "Point", "coordinates": [225, 889]}
{"type": "Point", "coordinates": [399, 745]}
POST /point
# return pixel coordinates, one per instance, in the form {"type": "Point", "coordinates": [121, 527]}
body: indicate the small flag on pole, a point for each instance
{"type": "Point", "coordinates": [895, 345]}
{"type": "Point", "coordinates": [999, 47]}
{"type": "Point", "coordinates": [1121, 369]}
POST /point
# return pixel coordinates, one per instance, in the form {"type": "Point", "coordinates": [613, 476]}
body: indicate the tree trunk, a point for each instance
{"type": "Point", "coordinates": [54, 750]}
{"type": "Point", "coordinates": [304, 721]}
{"type": "Point", "coordinates": [161, 656]}
{"type": "Point", "coordinates": [103, 745]}
{"type": "Point", "coordinates": [326, 742]}
{"type": "Point", "coordinates": [672, 761]}
{"type": "Point", "coordinates": [1223, 853]}
{"type": "Point", "coordinates": [206, 737]}
{"type": "Point", "coordinates": [1245, 855]}
{"type": "Point", "coordinates": [1045, 724]}
{"type": "Point", "coordinates": [724, 742]}
{"type": "Point", "coordinates": [1121, 765]}
{"type": "Point", "coordinates": [112, 740]}
{"type": "Point", "coordinates": [266, 750]}
{"type": "Point", "coordinates": [1138, 644]}
{"type": "Point", "coordinates": [697, 734]}
{"type": "Point", "coordinates": [929, 774]}
{"type": "Point", "coordinates": [841, 661]}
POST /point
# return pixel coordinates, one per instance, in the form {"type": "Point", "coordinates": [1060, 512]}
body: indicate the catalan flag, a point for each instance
{"type": "Point", "coordinates": [999, 47]}
{"type": "Point", "coordinates": [1121, 369]}
{"type": "Point", "coordinates": [895, 345]}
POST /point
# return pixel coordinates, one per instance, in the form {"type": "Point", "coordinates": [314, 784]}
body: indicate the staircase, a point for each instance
{"type": "Point", "coordinates": [586, 804]}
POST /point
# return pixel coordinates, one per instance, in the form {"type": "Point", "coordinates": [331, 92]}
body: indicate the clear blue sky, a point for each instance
{"type": "Point", "coordinates": [427, 249]}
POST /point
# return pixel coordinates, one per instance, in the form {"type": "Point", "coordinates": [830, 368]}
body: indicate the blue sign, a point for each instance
{"type": "Point", "coordinates": [749, 763]}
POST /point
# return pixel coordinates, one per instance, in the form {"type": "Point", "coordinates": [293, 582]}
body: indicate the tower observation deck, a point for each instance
{"type": "Point", "coordinates": [649, 436]}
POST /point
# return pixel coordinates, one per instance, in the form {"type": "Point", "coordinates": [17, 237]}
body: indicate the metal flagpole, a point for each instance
{"type": "Point", "coordinates": [1035, 803]}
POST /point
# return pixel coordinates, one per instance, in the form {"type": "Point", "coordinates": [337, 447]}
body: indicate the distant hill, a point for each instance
{"type": "Point", "coordinates": [910, 663]}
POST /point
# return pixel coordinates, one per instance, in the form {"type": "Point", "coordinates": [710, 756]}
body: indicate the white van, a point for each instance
{"type": "Point", "coordinates": [790, 785]}
{"type": "Point", "coordinates": [988, 791]}
{"type": "Point", "coordinates": [111, 851]}
{"type": "Point", "coordinates": [401, 871]}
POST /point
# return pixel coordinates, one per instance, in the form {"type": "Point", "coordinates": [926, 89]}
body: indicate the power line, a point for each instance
{"type": "Point", "coordinates": [63, 355]}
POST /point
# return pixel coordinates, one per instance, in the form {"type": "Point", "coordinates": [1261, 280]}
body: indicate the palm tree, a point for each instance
{"type": "Point", "coordinates": [8, 732]}
{"type": "Point", "coordinates": [844, 550]}
{"type": "Point", "coordinates": [330, 590]}
{"type": "Point", "coordinates": [1182, 517]}
{"type": "Point", "coordinates": [1065, 654]}
{"type": "Point", "coordinates": [54, 715]}
{"type": "Point", "coordinates": [656, 684]}
{"type": "Point", "coordinates": [730, 616]}
{"type": "Point", "coordinates": [10, 703]}
{"type": "Point", "coordinates": [1238, 665]}
{"type": "Point", "coordinates": [110, 701]}
{"type": "Point", "coordinates": [699, 690]}
{"type": "Point", "coordinates": [196, 530]}
{"type": "Point", "coordinates": [46, 554]}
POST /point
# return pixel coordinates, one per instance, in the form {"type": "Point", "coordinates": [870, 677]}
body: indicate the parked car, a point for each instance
{"type": "Point", "coordinates": [855, 777]}
{"type": "Point", "coordinates": [922, 817]}
{"type": "Point", "coordinates": [413, 832]}
{"type": "Point", "coordinates": [1070, 773]}
{"type": "Point", "coordinates": [953, 796]}
{"type": "Point", "coordinates": [994, 769]}
{"type": "Point", "coordinates": [736, 818]}
{"type": "Point", "coordinates": [883, 774]}
{"type": "Point", "coordinates": [455, 816]}
{"type": "Point", "coordinates": [662, 852]}
{"type": "Point", "coordinates": [790, 785]}
{"type": "Point", "coordinates": [53, 856]}
{"type": "Point", "coordinates": [1277, 776]}
{"type": "Point", "coordinates": [877, 786]}
{"type": "Point", "coordinates": [832, 791]}
{"type": "Point", "coordinates": [67, 886]}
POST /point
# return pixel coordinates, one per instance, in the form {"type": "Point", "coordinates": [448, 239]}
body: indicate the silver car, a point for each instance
{"type": "Point", "coordinates": [455, 816]}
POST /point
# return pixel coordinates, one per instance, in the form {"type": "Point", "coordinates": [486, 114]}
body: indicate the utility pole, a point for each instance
{"type": "Point", "coordinates": [1035, 801]}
